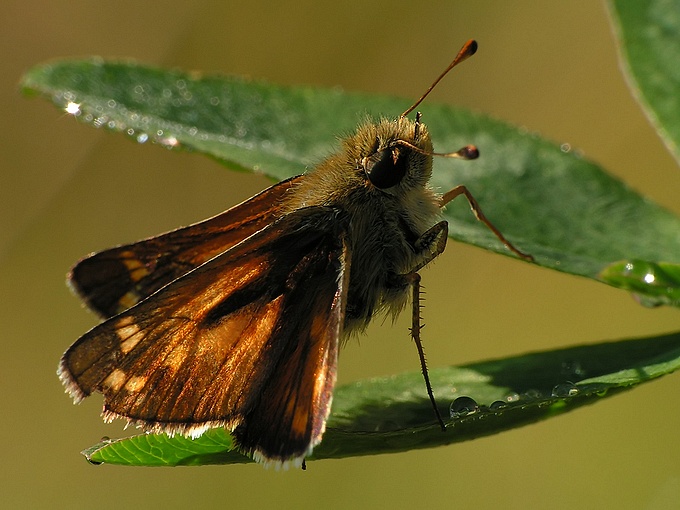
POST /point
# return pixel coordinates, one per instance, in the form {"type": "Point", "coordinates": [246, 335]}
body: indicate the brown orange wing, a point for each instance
{"type": "Point", "coordinates": [116, 279]}
{"type": "Point", "coordinates": [248, 340]}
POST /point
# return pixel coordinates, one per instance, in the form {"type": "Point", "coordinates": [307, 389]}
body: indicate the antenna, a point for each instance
{"type": "Point", "coordinates": [468, 152]}
{"type": "Point", "coordinates": [468, 49]}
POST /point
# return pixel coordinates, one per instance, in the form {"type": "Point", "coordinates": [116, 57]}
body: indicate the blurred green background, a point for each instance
{"type": "Point", "coordinates": [67, 189]}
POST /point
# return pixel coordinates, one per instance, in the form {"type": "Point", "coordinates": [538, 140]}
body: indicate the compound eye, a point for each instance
{"type": "Point", "coordinates": [386, 168]}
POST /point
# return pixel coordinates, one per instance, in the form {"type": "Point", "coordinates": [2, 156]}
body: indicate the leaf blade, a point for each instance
{"type": "Point", "coordinates": [566, 211]}
{"type": "Point", "coordinates": [393, 414]}
{"type": "Point", "coordinates": [649, 51]}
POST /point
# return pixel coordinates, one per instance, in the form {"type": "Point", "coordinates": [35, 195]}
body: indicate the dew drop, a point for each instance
{"type": "Point", "coordinates": [99, 122]}
{"type": "Point", "coordinates": [168, 141]}
{"type": "Point", "coordinates": [565, 147]}
{"type": "Point", "coordinates": [566, 389]}
{"type": "Point", "coordinates": [463, 406]}
{"type": "Point", "coordinates": [111, 103]}
{"type": "Point", "coordinates": [532, 394]}
{"type": "Point", "coordinates": [142, 137]}
{"type": "Point", "coordinates": [497, 405]}
{"type": "Point", "coordinates": [131, 131]}
{"type": "Point", "coordinates": [512, 397]}
{"type": "Point", "coordinates": [72, 108]}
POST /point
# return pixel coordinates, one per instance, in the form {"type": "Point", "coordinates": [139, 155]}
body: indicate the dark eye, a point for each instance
{"type": "Point", "coordinates": [386, 168]}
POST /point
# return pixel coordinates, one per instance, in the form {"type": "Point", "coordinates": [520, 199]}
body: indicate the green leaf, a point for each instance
{"type": "Point", "coordinates": [564, 210]}
{"type": "Point", "coordinates": [650, 50]}
{"type": "Point", "coordinates": [393, 414]}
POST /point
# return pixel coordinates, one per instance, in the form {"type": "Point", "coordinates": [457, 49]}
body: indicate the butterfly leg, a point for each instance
{"type": "Point", "coordinates": [427, 247]}
{"type": "Point", "coordinates": [416, 326]}
{"type": "Point", "coordinates": [477, 211]}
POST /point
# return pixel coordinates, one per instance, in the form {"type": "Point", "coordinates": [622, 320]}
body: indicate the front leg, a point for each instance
{"type": "Point", "coordinates": [430, 245]}
{"type": "Point", "coordinates": [477, 211]}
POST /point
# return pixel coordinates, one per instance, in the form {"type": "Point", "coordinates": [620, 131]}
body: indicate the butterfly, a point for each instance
{"type": "Point", "coordinates": [236, 321]}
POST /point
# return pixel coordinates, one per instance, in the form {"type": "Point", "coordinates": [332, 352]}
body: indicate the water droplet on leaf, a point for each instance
{"type": "Point", "coordinates": [463, 406]}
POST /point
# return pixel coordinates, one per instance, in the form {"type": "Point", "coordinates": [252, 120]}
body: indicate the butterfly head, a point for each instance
{"type": "Point", "coordinates": [393, 154]}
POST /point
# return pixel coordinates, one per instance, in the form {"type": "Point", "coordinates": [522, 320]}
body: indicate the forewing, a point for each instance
{"type": "Point", "coordinates": [116, 279]}
{"type": "Point", "coordinates": [247, 340]}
